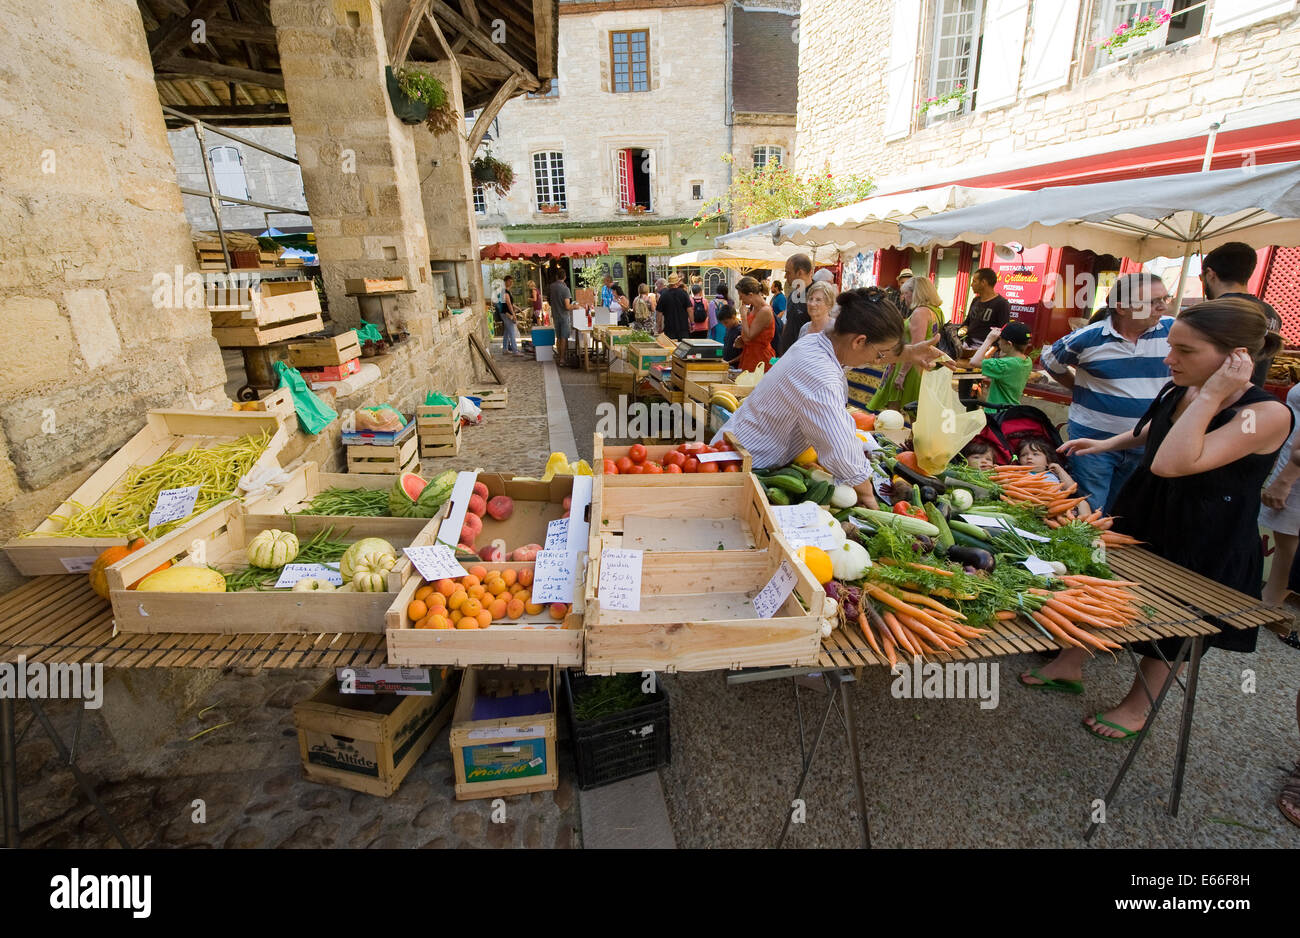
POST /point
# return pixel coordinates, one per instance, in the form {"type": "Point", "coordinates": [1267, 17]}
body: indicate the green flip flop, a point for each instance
{"type": "Point", "coordinates": [1128, 733]}
{"type": "Point", "coordinates": [1062, 686]}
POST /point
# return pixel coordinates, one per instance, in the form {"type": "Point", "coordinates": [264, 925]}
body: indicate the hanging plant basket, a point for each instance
{"type": "Point", "coordinates": [407, 107]}
{"type": "Point", "coordinates": [443, 120]}
{"type": "Point", "coordinates": [481, 170]}
{"type": "Point", "coordinates": [492, 173]}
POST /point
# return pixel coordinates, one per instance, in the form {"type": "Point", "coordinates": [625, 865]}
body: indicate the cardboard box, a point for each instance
{"type": "Point", "coordinates": [369, 743]}
{"type": "Point", "coordinates": [401, 681]}
{"type": "Point", "coordinates": [503, 733]}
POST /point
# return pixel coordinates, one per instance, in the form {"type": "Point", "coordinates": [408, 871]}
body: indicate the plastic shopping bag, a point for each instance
{"type": "Point", "coordinates": [313, 415]}
{"type": "Point", "coordinates": [943, 426]}
{"type": "Point", "coordinates": [368, 332]}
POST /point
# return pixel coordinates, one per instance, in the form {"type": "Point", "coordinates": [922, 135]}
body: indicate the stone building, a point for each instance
{"type": "Point", "coordinates": [93, 213]}
{"type": "Point", "coordinates": [244, 172]}
{"type": "Point", "coordinates": [627, 144]}
{"type": "Point", "coordinates": [1030, 93]}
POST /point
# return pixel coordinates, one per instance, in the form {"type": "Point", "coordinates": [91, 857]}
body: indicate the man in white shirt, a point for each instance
{"type": "Point", "coordinates": [803, 400]}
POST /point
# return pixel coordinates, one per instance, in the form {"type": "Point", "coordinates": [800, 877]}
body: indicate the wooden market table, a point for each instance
{"type": "Point", "coordinates": [1187, 606]}
{"type": "Point", "coordinates": [60, 619]}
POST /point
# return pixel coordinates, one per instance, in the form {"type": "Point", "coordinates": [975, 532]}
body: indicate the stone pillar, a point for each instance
{"type": "Point", "coordinates": [447, 189]}
{"type": "Point", "coordinates": [359, 170]}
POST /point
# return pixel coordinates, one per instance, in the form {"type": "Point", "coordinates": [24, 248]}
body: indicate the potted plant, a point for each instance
{"type": "Point", "coordinates": [633, 208]}
{"type": "Point", "coordinates": [1137, 35]}
{"type": "Point", "coordinates": [413, 93]}
{"type": "Point", "coordinates": [493, 173]}
{"type": "Point", "coordinates": [549, 208]}
{"type": "Point", "coordinates": [946, 103]}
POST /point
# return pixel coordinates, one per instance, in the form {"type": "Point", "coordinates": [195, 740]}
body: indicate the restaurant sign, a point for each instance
{"type": "Point", "coordinates": [619, 241]}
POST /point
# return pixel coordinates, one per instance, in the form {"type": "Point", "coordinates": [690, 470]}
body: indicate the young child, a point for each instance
{"type": "Point", "coordinates": [979, 455]}
{"type": "Point", "coordinates": [1009, 371]}
{"type": "Point", "coordinates": [1039, 456]}
{"type": "Point", "coordinates": [729, 321]}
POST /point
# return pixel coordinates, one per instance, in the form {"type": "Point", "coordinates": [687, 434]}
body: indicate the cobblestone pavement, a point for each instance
{"type": "Point", "coordinates": [249, 773]}
{"type": "Point", "coordinates": [249, 777]}
{"type": "Point", "coordinates": [945, 773]}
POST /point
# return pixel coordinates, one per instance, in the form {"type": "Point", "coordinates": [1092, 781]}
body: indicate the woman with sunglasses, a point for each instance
{"type": "Point", "coordinates": [803, 400]}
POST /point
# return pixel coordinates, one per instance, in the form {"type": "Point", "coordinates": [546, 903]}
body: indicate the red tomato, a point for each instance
{"type": "Point", "coordinates": [723, 447]}
{"type": "Point", "coordinates": [691, 465]}
{"type": "Point", "coordinates": [624, 465]}
{"type": "Point", "coordinates": [634, 470]}
{"type": "Point", "coordinates": [674, 459]}
{"type": "Point", "coordinates": [637, 453]}
{"type": "Point", "coordinates": [653, 468]}
{"type": "Point", "coordinates": [732, 467]}
{"type": "Point", "coordinates": [693, 447]}
{"type": "Point", "coordinates": [706, 449]}
{"type": "Point", "coordinates": [611, 467]}
{"type": "Point", "coordinates": [673, 467]}
{"type": "Point", "coordinates": [708, 467]}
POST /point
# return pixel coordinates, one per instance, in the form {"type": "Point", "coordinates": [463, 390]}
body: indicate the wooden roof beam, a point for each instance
{"type": "Point", "coordinates": [400, 45]}
{"type": "Point", "coordinates": [477, 66]}
{"type": "Point", "coordinates": [544, 31]}
{"type": "Point", "coordinates": [194, 68]}
{"type": "Point", "coordinates": [527, 80]}
{"type": "Point", "coordinates": [490, 112]}
{"type": "Point", "coordinates": [172, 36]}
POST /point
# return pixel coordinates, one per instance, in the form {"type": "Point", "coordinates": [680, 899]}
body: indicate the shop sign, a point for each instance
{"type": "Point", "coordinates": [1021, 282]}
{"type": "Point", "coordinates": [621, 241]}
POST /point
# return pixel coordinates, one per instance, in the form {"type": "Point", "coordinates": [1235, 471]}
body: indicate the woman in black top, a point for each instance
{"type": "Point", "coordinates": [1195, 498]}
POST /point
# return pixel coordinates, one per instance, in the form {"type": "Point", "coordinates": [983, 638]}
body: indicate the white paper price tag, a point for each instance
{"type": "Point", "coordinates": [77, 564]}
{"type": "Point", "coordinates": [820, 536]}
{"type": "Point", "coordinates": [1030, 536]}
{"type": "Point", "coordinates": [1038, 566]}
{"type": "Point", "coordinates": [557, 534]}
{"type": "Point", "coordinates": [790, 517]}
{"type": "Point", "coordinates": [772, 596]}
{"type": "Point", "coordinates": [719, 457]}
{"type": "Point", "coordinates": [553, 576]}
{"type": "Point", "coordinates": [293, 572]}
{"type": "Point", "coordinates": [173, 505]}
{"type": "Point", "coordinates": [435, 562]}
{"type": "Point", "coordinates": [983, 521]}
{"type": "Point", "coordinates": [620, 579]}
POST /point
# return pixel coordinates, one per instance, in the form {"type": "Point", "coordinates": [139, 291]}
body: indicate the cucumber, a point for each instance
{"type": "Point", "coordinates": [970, 530]}
{"type": "Point", "coordinates": [819, 492]}
{"type": "Point", "coordinates": [907, 524]}
{"type": "Point", "coordinates": [963, 539]}
{"type": "Point", "coordinates": [800, 471]}
{"type": "Point", "coordinates": [790, 483]}
{"type": "Point", "coordinates": [777, 496]}
{"type": "Point", "coordinates": [916, 496]}
{"type": "Point", "coordinates": [945, 538]}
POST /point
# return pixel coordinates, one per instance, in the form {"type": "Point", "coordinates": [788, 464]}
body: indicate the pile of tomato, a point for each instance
{"type": "Point", "coordinates": [685, 458]}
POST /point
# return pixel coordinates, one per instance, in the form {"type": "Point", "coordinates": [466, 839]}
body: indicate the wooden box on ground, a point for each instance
{"type": "Point", "coordinates": [390, 454]}
{"type": "Point", "coordinates": [322, 353]}
{"type": "Point", "coordinates": [656, 453]}
{"type": "Point", "coordinates": [492, 397]}
{"type": "Point", "coordinates": [374, 284]}
{"type": "Point", "coordinates": [369, 743]}
{"type": "Point", "coordinates": [275, 311]}
{"type": "Point", "coordinates": [438, 429]}
{"type": "Point", "coordinates": [306, 481]}
{"type": "Point", "coordinates": [703, 371]}
{"type": "Point", "coordinates": [219, 538]}
{"type": "Point", "coordinates": [503, 733]}
{"type": "Point", "coordinates": [702, 389]}
{"type": "Point", "coordinates": [697, 614]}
{"type": "Point", "coordinates": [641, 355]}
{"type": "Point", "coordinates": [531, 639]}
{"type": "Point", "coordinates": [165, 431]}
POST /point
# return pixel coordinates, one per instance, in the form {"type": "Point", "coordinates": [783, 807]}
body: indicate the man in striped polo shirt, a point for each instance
{"type": "Point", "coordinates": [1114, 369]}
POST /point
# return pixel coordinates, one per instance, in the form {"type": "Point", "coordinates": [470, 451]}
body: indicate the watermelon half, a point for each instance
{"type": "Point", "coordinates": [405, 495]}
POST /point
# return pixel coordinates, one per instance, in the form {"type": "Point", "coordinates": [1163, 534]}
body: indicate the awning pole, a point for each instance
{"type": "Point", "coordinates": [1195, 225]}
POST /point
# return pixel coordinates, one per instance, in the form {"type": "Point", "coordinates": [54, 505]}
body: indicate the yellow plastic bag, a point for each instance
{"type": "Point", "coordinates": [559, 465]}
{"type": "Point", "coordinates": [943, 426]}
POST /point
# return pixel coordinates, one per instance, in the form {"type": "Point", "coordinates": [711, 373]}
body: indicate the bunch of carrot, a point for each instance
{"type": "Point", "coordinates": [911, 623]}
{"type": "Point", "coordinates": [1091, 602]}
{"type": "Point", "coordinates": [1023, 485]}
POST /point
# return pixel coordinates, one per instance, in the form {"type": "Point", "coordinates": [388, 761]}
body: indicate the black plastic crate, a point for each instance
{"type": "Point", "coordinates": [621, 745]}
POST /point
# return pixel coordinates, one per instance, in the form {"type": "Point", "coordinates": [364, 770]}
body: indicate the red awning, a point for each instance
{"type": "Point", "coordinates": [505, 251]}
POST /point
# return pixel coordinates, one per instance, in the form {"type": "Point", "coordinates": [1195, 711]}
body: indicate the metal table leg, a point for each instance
{"type": "Point", "coordinates": [851, 731]}
{"type": "Point", "coordinates": [82, 781]}
{"type": "Point", "coordinates": [1146, 730]}
{"type": "Point", "coordinates": [1185, 728]}
{"type": "Point", "coordinates": [8, 773]}
{"type": "Point", "coordinates": [807, 766]}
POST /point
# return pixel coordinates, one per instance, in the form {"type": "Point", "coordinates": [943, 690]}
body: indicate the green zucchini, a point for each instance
{"type": "Point", "coordinates": [971, 530]}
{"type": "Point", "coordinates": [777, 496]}
{"type": "Point", "coordinates": [916, 496]}
{"type": "Point", "coordinates": [965, 540]}
{"type": "Point", "coordinates": [819, 492]}
{"type": "Point", "coordinates": [945, 538]}
{"type": "Point", "coordinates": [790, 483]}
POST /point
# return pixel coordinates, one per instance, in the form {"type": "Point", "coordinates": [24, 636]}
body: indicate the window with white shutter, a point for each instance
{"type": "Point", "coordinates": [954, 56]}
{"type": "Point", "coordinates": [1238, 14]}
{"type": "Point", "coordinates": [228, 168]}
{"type": "Point", "coordinates": [1052, 32]}
{"type": "Point", "coordinates": [1002, 52]}
{"type": "Point", "coordinates": [900, 75]}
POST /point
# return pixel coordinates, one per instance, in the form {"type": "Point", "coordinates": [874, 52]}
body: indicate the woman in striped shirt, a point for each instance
{"type": "Point", "coordinates": [803, 400]}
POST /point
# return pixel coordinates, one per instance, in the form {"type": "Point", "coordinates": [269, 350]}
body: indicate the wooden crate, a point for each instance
{"type": "Point", "coordinates": [165, 431]}
{"type": "Point", "coordinates": [386, 458]}
{"type": "Point", "coordinates": [321, 353]}
{"type": "Point", "coordinates": [369, 743]}
{"type": "Point", "coordinates": [656, 452]}
{"type": "Point", "coordinates": [306, 481]}
{"type": "Point", "coordinates": [699, 391]}
{"type": "Point", "coordinates": [531, 639]}
{"type": "Point", "coordinates": [374, 285]}
{"type": "Point", "coordinates": [494, 397]}
{"type": "Point", "coordinates": [274, 301]}
{"type": "Point", "coordinates": [536, 504]}
{"type": "Point", "coordinates": [219, 538]}
{"type": "Point", "coordinates": [497, 758]}
{"type": "Point", "coordinates": [697, 614]}
{"type": "Point", "coordinates": [698, 371]}
{"type": "Point", "coordinates": [641, 355]}
{"type": "Point", "coordinates": [439, 429]}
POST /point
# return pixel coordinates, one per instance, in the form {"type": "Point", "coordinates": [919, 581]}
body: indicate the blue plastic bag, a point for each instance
{"type": "Point", "coordinates": [313, 415]}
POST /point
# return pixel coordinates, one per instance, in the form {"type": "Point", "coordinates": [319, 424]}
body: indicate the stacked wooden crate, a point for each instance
{"type": "Point", "coordinates": [372, 451]}
{"type": "Point", "coordinates": [439, 429]}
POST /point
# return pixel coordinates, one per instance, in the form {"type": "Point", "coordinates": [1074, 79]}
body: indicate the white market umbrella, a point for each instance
{"type": "Point", "coordinates": [1157, 216]}
{"type": "Point", "coordinates": [764, 256]}
{"type": "Point", "coordinates": [874, 223]}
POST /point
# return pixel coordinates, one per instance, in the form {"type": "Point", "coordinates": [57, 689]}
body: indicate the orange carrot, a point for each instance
{"type": "Point", "coordinates": [1053, 628]}
{"type": "Point", "coordinates": [868, 633]}
{"type": "Point", "coordinates": [899, 633]}
{"type": "Point", "coordinates": [890, 655]}
{"type": "Point", "coordinates": [1004, 615]}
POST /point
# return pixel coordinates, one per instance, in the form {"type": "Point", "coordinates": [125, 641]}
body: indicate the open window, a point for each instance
{"type": "Point", "coordinates": [1124, 28]}
{"type": "Point", "coordinates": [954, 58]}
{"type": "Point", "coordinates": [634, 167]}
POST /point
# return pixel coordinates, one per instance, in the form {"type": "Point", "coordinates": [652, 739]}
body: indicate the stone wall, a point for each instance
{"type": "Point", "coordinates": [1201, 77]}
{"type": "Point", "coordinates": [90, 215]}
{"type": "Point", "coordinates": [753, 130]}
{"type": "Point", "coordinates": [270, 180]}
{"type": "Point", "coordinates": [682, 118]}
